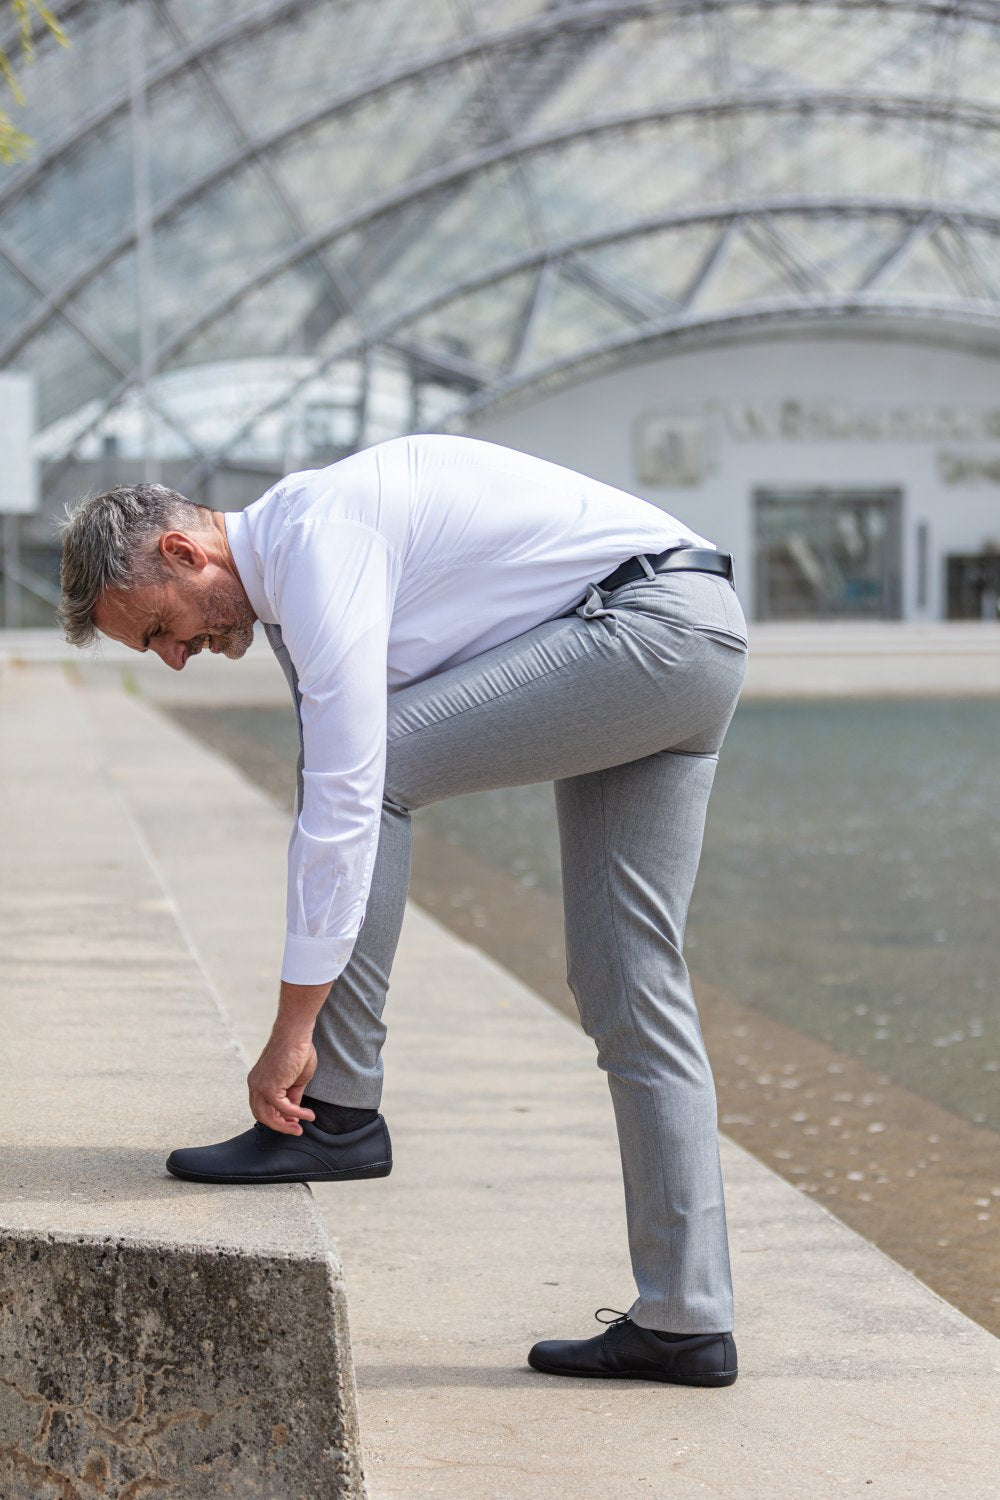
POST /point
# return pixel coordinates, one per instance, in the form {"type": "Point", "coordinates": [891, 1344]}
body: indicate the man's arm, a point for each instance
{"type": "Point", "coordinates": [282, 1072]}
{"type": "Point", "coordinates": [334, 586]}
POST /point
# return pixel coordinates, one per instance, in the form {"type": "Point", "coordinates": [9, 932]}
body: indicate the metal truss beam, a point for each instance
{"type": "Point", "coordinates": [728, 219]}
{"type": "Point", "coordinates": [564, 18]}
{"type": "Point", "coordinates": [245, 26]}
{"type": "Point", "coordinates": [975, 10]}
{"type": "Point", "coordinates": [440, 363]}
{"type": "Point", "coordinates": [98, 342]}
{"type": "Point", "coordinates": [453, 174]}
{"type": "Point", "coordinates": [638, 343]}
{"type": "Point", "coordinates": [908, 211]}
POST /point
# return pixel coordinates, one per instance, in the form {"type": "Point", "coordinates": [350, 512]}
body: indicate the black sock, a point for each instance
{"type": "Point", "coordinates": [338, 1119]}
{"type": "Point", "coordinates": [672, 1338]}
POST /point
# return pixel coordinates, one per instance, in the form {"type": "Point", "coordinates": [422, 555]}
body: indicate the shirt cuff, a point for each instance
{"type": "Point", "coordinates": [312, 960]}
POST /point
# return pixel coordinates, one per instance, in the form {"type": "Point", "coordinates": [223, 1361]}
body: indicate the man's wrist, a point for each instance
{"type": "Point", "coordinates": [298, 1007]}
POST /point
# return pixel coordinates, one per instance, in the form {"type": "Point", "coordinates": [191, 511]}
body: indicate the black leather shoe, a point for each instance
{"type": "Point", "coordinates": [264, 1155]}
{"type": "Point", "coordinates": [624, 1351]}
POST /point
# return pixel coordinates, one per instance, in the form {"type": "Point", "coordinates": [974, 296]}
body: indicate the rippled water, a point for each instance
{"type": "Point", "coordinates": [850, 884]}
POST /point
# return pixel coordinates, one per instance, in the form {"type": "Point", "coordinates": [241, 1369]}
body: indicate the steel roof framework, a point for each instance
{"type": "Point", "coordinates": [953, 242]}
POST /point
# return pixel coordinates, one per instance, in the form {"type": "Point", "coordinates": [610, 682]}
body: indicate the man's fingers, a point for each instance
{"type": "Point", "coordinates": [279, 1114]}
{"type": "Point", "coordinates": [294, 1096]}
{"type": "Point", "coordinates": [291, 1107]}
{"type": "Point", "coordinates": [275, 1120]}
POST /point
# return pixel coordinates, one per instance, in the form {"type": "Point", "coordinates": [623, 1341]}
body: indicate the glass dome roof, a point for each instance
{"type": "Point", "coordinates": [374, 215]}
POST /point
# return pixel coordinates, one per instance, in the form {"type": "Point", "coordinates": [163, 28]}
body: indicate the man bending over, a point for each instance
{"type": "Point", "coordinates": [453, 616]}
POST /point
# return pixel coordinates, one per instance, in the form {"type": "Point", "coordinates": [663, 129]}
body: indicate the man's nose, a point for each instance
{"type": "Point", "coordinates": [174, 653]}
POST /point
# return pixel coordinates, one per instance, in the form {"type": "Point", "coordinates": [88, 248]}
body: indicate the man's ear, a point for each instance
{"type": "Point", "coordinates": [181, 552]}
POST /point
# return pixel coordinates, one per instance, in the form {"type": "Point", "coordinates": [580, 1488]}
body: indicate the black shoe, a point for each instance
{"type": "Point", "coordinates": [624, 1351]}
{"type": "Point", "coordinates": [264, 1155]}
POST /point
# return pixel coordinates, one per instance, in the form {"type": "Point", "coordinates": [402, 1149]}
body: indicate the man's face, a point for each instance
{"type": "Point", "coordinates": [178, 618]}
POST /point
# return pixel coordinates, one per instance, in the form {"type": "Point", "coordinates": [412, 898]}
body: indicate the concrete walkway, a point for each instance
{"type": "Point", "coordinates": [503, 1219]}
{"type": "Point", "coordinates": [156, 1336]}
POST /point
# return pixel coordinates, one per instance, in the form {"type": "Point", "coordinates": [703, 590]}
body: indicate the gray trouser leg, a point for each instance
{"type": "Point", "coordinates": [630, 839]}
{"type": "Point", "coordinates": [624, 704]}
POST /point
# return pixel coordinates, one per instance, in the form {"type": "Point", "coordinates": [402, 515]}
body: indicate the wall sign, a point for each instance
{"type": "Point", "coordinates": [670, 449]}
{"type": "Point", "coordinates": [968, 468]}
{"type": "Point", "coordinates": [825, 421]}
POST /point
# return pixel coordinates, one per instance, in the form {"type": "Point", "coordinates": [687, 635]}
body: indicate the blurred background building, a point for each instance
{"type": "Point", "coordinates": [743, 259]}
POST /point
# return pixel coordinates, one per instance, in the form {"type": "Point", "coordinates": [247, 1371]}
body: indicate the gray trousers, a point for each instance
{"type": "Point", "coordinates": [623, 702]}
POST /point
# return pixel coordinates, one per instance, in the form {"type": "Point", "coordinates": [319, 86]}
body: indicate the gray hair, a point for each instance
{"type": "Point", "coordinates": [110, 541]}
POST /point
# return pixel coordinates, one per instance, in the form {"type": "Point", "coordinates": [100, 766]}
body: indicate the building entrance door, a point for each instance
{"type": "Point", "coordinates": [974, 586]}
{"type": "Point", "coordinates": [828, 554]}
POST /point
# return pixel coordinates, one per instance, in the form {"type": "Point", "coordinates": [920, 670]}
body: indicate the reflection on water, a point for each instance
{"type": "Point", "coordinates": [850, 884]}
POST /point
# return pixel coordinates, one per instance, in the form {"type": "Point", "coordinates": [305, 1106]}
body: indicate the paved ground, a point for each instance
{"type": "Point", "coordinates": [502, 1221]}
{"type": "Point", "coordinates": [156, 1336]}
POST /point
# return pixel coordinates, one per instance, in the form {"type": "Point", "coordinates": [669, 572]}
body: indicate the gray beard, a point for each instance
{"type": "Point", "coordinates": [234, 632]}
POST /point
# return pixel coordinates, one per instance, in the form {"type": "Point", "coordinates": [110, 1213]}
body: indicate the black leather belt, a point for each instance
{"type": "Point", "coordinates": [697, 559]}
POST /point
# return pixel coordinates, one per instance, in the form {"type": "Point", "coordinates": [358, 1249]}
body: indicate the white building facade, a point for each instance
{"type": "Point", "coordinates": [851, 477]}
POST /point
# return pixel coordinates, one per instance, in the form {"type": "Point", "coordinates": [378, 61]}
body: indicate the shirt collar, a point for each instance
{"type": "Point", "coordinates": [247, 565]}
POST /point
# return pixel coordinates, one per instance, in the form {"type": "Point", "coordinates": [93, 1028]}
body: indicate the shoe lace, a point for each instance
{"type": "Point", "coordinates": [616, 1319]}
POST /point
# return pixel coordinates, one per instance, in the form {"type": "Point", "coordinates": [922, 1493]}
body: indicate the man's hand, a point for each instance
{"type": "Point", "coordinates": [279, 1077]}
{"type": "Point", "coordinates": [278, 1080]}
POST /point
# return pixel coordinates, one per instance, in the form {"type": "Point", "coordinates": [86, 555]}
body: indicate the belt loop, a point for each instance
{"type": "Point", "coordinates": [645, 564]}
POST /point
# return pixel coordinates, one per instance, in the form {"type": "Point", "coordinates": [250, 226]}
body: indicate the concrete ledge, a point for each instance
{"type": "Point", "coordinates": [155, 1336]}
{"type": "Point", "coordinates": [133, 1369]}
{"type": "Point", "coordinates": [788, 659]}
{"type": "Point", "coordinates": [877, 658]}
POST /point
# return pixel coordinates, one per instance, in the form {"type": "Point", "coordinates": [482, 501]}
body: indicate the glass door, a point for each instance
{"type": "Point", "coordinates": [828, 554]}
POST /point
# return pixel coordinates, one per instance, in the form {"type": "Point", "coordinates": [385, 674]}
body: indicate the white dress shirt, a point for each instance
{"type": "Point", "coordinates": [383, 569]}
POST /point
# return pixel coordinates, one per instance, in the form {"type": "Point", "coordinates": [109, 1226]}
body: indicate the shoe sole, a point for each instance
{"type": "Point", "coordinates": [710, 1378]}
{"type": "Point", "coordinates": [249, 1179]}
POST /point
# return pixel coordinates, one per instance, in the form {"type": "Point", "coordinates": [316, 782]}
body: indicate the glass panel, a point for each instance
{"type": "Point", "coordinates": [343, 163]}
{"type": "Point", "coordinates": [921, 272]}
{"type": "Point", "coordinates": [306, 418]}
{"type": "Point", "coordinates": [205, 253]}
{"type": "Point", "coordinates": [983, 250]}
{"type": "Point", "coordinates": [178, 154]}
{"type": "Point", "coordinates": [637, 65]}
{"type": "Point", "coordinates": [626, 175]}
{"type": "Point", "coordinates": [17, 299]}
{"type": "Point", "coordinates": [977, 62]}
{"type": "Point", "coordinates": [390, 397]}
{"type": "Point", "coordinates": [819, 155]}
{"type": "Point", "coordinates": [67, 371]}
{"type": "Point", "coordinates": [972, 168]}
{"type": "Point", "coordinates": [65, 84]}
{"type": "Point", "coordinates": [782, 47]}
{"type": "Point", "coordinates": [825, 554]}
{"type": "Point", "coordinates": [662, 264]}
{"type": "Point", "coordinates": [199, 17]}
{"type": "Point", "coordinates": [843, 250]}
{"type": "Point", "coordinates": [197, 259]}
{"type": "Point", "coordinates": [279, 318]}
{"type": "Point", "coordinates": [509, 13]}
{"type": "Point", "coordinates": [572, 318]}
{"type": "Point", "coordinates": [749, 271]}
{"type": "Point", "coordinates": [439, 243]}
{"type": "Point", "coordinates": [481, 326]}
{"type": "Point", "coordinates": [272, 77]}
{"type": "Point", "coordinates": [80, 206]}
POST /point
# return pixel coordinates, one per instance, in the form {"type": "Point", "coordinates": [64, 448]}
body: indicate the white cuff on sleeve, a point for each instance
{"type": "Point", "coordinates": [313, 960]}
